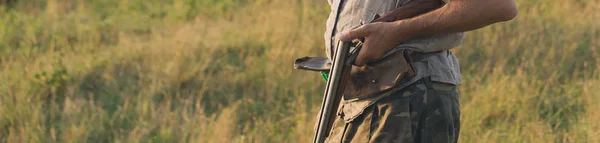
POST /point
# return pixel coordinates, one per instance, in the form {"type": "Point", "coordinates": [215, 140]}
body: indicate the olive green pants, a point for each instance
{"type": "Point", "coordinates": [424, 112]}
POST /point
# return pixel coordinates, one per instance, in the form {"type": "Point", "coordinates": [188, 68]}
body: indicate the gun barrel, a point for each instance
{"type": "Point", "coordinates": [332, 92]}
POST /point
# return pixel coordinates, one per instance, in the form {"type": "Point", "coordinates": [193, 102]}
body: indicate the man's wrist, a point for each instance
{"type": "Point", "coordinates": [402, 30]}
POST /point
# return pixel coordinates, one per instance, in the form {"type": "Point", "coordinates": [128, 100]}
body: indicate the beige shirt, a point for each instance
{"type": "Point", "coordinates": [441, 67]}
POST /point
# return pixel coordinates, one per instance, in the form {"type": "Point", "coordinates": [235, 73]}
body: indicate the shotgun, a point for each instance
{"type": "Point", "coordinates": [343, 59]}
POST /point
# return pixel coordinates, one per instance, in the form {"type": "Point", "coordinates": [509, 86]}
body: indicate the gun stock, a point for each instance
{"type": "Point", "coordinates": [411, 9]}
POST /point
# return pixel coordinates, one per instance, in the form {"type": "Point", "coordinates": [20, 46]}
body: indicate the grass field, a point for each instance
{"type": "Point", "coordinates": [221, 71]}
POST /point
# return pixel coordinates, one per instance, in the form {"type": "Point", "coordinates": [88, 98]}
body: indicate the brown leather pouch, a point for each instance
{"type": "Point", "coordinates": [379, 76]}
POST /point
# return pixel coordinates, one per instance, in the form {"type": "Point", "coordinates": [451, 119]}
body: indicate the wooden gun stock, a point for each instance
{"type": "Point", "coordinates": [339, 73]}
{"type": "Point", "coordinates": [411, 9]}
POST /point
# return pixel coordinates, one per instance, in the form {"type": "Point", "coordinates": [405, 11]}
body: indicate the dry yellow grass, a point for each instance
{"type": "Point", "coordinates": [220, 71]}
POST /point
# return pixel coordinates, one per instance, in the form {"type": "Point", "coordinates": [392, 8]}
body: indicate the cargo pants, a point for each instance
{"type": "Point", "coordinates": [423, 112]}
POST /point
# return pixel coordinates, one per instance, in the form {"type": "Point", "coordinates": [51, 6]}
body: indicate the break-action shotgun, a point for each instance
{"type": "Point", "coordinates": [339, 69]}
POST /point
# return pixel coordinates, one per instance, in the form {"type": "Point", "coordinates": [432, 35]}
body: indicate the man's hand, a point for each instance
{"type": "Point", "coordinates": [379, 38]}
{"type": "Point", "coordinates": [455, 16]}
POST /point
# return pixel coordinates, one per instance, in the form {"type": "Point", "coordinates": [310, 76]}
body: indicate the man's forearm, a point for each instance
{"type": "Point", "coordinates": [455, 16]}
{"type": "Point", "coordinates": [458, 16]}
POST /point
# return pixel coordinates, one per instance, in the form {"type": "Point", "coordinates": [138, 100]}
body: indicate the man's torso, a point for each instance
{"type": "Point", "coordinates": [442, 67]}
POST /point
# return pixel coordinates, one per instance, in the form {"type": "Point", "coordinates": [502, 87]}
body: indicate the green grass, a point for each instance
{"type": "Point", "coordinates": [221, 71]}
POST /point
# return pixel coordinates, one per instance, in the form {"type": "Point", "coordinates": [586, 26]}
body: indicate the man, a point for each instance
{"type": "Point", "coordinates": [424, 108]}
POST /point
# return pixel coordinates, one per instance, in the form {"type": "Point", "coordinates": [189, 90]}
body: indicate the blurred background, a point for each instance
{"type": "Point", "coordinates": [221, 71]}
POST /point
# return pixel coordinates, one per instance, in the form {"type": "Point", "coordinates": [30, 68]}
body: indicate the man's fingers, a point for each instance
{"type": "Point", "coordinates": [363, 56]}
{"type": "Point", "coordinates": [360, 60]}
{"type": "Point", "coordinates": [359, 32]}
